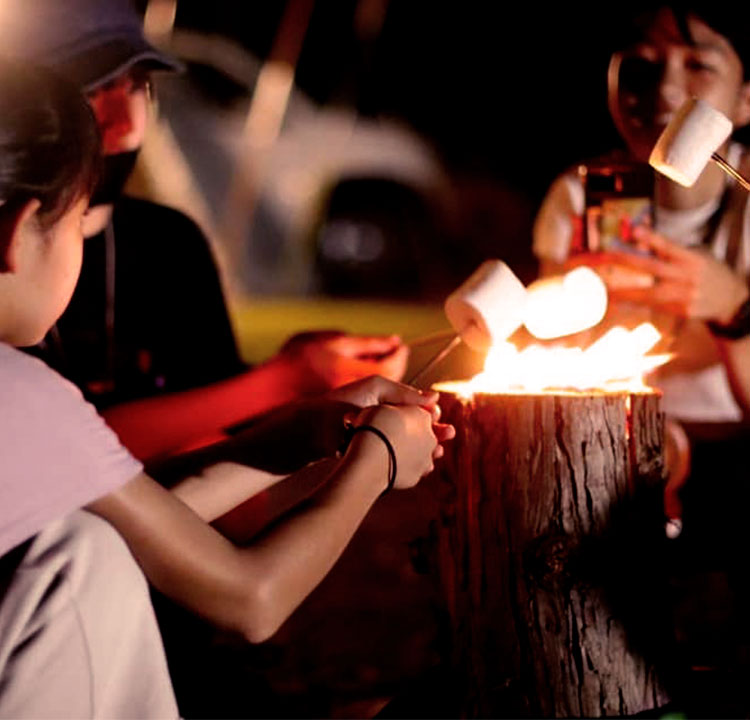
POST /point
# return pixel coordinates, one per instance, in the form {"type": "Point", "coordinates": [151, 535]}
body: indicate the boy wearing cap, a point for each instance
{"type": "Point", "coordinates": [147, 336]}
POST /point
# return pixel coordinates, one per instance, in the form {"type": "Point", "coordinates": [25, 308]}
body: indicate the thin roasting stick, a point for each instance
{"type": "Point", "coordinates": [453, 343]}
{"type": "Point", "coordinates": [434, 337]}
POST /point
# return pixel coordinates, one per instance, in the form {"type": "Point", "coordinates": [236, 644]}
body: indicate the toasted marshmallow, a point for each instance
{"type": "Point", "coordinates": [565, 304]}
{"type": "Point", "coordinates": [488, 307]}
{"type": "Point", "coordinates": [685, 146]}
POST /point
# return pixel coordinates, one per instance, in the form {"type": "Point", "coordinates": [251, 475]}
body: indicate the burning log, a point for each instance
{"type": "Point", "coordinates": [548, 545]}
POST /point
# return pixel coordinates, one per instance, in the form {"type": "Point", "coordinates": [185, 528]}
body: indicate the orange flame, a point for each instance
{"type": "Point", "coordinates": [617, 362]}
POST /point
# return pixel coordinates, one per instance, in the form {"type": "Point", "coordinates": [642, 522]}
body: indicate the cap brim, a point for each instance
{"type": "Point", "coordinates": [97, 65]}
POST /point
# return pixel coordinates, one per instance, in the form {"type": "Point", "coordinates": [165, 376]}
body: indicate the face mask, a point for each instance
{"type": "Point", "coordinates": [115, 170]}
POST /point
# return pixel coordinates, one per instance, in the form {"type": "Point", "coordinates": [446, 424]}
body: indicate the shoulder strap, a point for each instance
{"type": "Point", "coordinates": [736, 204]}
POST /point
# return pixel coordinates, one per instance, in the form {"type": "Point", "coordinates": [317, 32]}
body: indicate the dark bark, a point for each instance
{"type": "Point", "coordinates": [549, 543]}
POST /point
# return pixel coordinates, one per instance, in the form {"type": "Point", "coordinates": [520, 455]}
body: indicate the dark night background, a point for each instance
{"type": "Point", "coordinates": [517, 91]}
{"type": "Point", "coordinates": [507, 95]}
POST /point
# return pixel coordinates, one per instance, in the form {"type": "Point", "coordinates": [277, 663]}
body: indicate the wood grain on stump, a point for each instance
{"type": "Point", "coordinates": [548, 544]}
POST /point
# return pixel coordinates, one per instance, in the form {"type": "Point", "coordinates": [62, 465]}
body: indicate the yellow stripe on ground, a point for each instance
{"type": "Point", "coordinates": [262, 324]}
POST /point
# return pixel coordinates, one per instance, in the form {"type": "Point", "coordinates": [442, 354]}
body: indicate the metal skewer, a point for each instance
{"type": "Point", "coordinates": [726, 167]}
{"type": "Point", "coordinates": [431, 338]}
{"type": "Point", "coordinates": [452, 343]}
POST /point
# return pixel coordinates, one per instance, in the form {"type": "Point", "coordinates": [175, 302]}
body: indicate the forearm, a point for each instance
{"type": "Point", "coordinates": [302, 551]}
{"type": "Point", "coordinates": [280, 441]}
{"type": "Point", "coordinates": [180, 554]}
{"type": "Point", "coordinates": [157, 427]}
{"type": "Point", "coordinates": [251, 590]}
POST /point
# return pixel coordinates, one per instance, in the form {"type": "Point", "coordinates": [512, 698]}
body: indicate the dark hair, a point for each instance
{"type": "Point", "coordinates": [731, 20]}
{"type": "Point", "coordinates": [49, 141]}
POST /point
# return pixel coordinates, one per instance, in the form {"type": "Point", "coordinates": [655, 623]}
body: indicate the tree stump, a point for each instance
{"type": "Point", "coordinates": [549, 539]}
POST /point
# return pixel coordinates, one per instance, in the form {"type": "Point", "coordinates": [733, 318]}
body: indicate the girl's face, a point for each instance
{"type": "Point", "coordinates": [51, 264]}
{"type": "Point", "coordinates": [658, 74]}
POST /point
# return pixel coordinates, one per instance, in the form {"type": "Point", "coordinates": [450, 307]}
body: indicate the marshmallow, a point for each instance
{"type": "Point", "coordinates": [489, 307]}
{"type": "Point", "coordinates": [565, 304]}
{"type": "Point", "coordinates": [685, 146]}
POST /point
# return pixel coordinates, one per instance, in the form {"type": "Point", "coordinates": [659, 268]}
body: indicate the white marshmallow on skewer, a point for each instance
{"type": "Point", "coordinates": [493, 303]}
{"type": "Point", "coordinates": [689, 141]}
{"type": "Point", "coordinates": [488, 307]}
{"type": "Point", "coordinates": [565, 304]}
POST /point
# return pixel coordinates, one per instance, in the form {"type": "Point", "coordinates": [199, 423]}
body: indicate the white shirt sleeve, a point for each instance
{"type": "Point", "coordinates": [553, 228]}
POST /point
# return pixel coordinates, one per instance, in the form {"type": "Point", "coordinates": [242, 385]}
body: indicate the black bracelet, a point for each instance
{"type": "Point", "coordinates": [738, 327]}
{"type": "Point", "coordinates": [353, 429]}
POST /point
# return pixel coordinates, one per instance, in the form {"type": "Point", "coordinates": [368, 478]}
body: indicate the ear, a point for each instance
{"type": "Point", "coordinates": [14, 231]}
{"type": "Point", "coordinates": [742, 110]}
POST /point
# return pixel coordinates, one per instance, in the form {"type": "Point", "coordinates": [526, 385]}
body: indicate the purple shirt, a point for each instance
{"type": "Point", "coordinates": [56, 453]}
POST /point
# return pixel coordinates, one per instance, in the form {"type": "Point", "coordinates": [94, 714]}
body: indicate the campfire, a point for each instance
{"type": "Point", "coordinates": [553, 441]}
{"type": "Point", "coordinates": [618, 361]}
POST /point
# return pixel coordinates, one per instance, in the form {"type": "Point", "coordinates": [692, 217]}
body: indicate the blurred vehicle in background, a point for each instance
{"type": "Point", "coordinates": [324, 213]}
{"type": "Point", "coordinates": [334, 203]}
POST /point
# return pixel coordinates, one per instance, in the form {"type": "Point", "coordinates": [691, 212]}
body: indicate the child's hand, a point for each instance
{"type": "Point", "coordinates": [376, 390]}
{"type": "Point", "coordinates": [415, 436]}
{"type": "Point", "coordinates": [614, 268]}
{"type": "Point", "coordinates": [330, 359]}
{"type": "Point", "coordinates": [686, 282]}
{"type": "Point", "coordinates": [316, 427]}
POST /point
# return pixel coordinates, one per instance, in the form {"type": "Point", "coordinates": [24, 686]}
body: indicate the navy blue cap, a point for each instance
{"type": "Point", "coordinates": [88, 41]}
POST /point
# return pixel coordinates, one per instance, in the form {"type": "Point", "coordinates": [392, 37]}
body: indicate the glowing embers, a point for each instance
{"type": "Point", "coordinates": [618, 361]}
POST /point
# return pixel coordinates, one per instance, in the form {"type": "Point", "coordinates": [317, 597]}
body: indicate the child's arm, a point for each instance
{"type": "Point", "coordinates": [254, 589]}
{"type": "Point", "coordinates": [289, 437]}
{"type": "Point", "coordinates": [166, 425]}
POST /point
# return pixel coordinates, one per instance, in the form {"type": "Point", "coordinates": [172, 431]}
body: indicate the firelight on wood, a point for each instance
{"type": "Point", "coordinates": [552, 486]}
